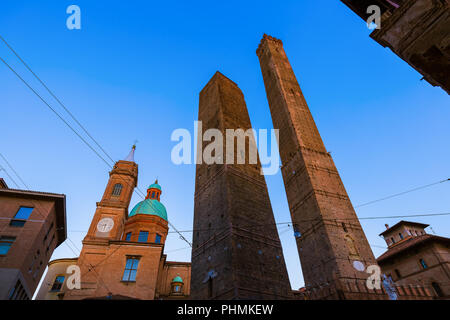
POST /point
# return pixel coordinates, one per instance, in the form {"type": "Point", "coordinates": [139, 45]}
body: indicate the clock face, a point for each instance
{"type": "Point", "coordinates": [105, 225]}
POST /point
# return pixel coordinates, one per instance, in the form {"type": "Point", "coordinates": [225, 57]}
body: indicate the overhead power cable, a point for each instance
{"type": "Point", "coordinates": [15, 172]}
{"type": "Point", "coordinates": [18, 186]}
{"type": "Point", "coordinates": [305, 220]}
{"type": "Point", "coordinates": [9, 176]}
{"type": "Point", "coordinates": [56, 98]}
{"type": "Point", "coordinates": [401, 193]}
{"type": "Point", "coordinates": [65, 122]}
{"type": "Point", "coordinates": [54, 111]}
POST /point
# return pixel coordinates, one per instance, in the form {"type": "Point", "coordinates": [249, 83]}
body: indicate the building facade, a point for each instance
{"type": "Point", "coordinates": [54, 285]}
{"type": "Point", "coordinates": [415, 30]}
{"type": "Point", "coordinates": [417, 259]}
{"type": "Point", "coordinates": [32, 225]}
{"type": "Point", "coordinates": [236, 250]}
{"type": "Point", "coordinates": [122, 255]}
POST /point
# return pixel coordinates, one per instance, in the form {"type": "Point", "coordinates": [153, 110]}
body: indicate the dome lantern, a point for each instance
{"type": "Point", "coordinates": [154, 191]}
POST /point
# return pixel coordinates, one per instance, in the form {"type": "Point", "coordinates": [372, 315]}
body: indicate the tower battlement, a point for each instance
{"type": "Point", "coordinates": [265, 38]}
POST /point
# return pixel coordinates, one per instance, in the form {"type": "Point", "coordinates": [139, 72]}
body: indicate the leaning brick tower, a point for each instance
{"type": "Point", "coordinates": [333, 249]}
{"type": "Point", "coordinates": [236, 250]}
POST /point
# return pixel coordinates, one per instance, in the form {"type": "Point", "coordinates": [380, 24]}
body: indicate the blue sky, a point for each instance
{"type": "Point", "coordinates": [134, 71]}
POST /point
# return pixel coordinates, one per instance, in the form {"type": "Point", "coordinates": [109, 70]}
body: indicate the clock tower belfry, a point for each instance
{"type": "Point", "coordinates": [112, 210]}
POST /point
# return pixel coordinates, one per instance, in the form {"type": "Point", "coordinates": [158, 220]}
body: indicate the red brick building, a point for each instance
{"type": "Point", "coordinates": [415, 258]}
{"type": "Point", "coordinates": [32, 225]}
{"type": "Point", "coordinates": [122, 255]}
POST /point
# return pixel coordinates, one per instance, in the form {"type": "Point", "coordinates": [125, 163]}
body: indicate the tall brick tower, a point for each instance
{"type": "Point", "coordinates": [123, 251]}
{"type": "Point", "coordinates": [330, 241]}
{"type": "Point", "coordinates": [236, 249]}
{"type": "Point", "coordinates": [111, 213]}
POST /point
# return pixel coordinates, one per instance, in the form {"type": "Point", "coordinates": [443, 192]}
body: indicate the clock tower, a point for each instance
{"type": "Point", "coordinates": [123, 251]}
{"type": "Point", "coordinates": [112, 210]}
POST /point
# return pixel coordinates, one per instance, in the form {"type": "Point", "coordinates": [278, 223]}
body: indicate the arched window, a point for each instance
{"type": "Point", "coordinates": [117, 190]}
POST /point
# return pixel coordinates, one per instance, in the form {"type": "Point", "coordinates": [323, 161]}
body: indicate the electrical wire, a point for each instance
{"type": "Point", "coordinates": [401, 193]}
{"type": "Point", "coordinates": [54, 111]}
{"type": "Point", "coordinates": [68, 125]}
{"type": "Point", "coordinates": [305, 220]}
{"type": "Point", "coordinates": [55, 97]}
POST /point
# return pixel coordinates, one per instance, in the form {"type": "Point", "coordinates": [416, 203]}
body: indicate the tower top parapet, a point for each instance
{"type": "Point", "coordinates": [265, 38]}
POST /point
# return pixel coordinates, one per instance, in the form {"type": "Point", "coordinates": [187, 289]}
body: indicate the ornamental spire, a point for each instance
{"type": "Point", "coordinates": [130, 156]}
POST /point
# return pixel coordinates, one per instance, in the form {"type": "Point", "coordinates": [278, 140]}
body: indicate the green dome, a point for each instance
{"type": "Point", "coordinates": [155, 186]}
{"type": "Point", "coordinates": [151, 207]}
{"type": "Point", "coordinates": [177, 279]}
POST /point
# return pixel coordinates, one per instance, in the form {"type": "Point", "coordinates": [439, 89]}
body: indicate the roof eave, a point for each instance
{"type": "Point", "coordinates": [418, 243]}
{"type": "Point", "coordinates": [395, 226]}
